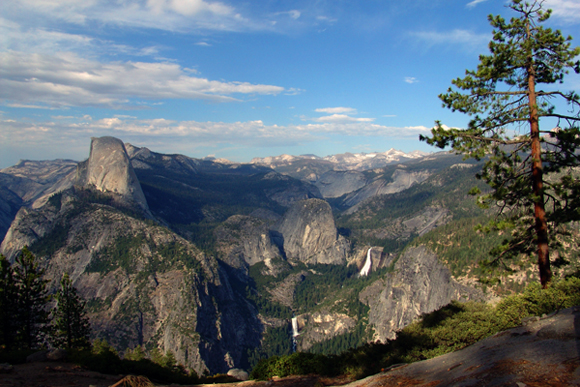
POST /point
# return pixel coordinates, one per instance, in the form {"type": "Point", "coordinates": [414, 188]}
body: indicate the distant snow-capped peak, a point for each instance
{"type": "Point", "coordinates": [355, 161]}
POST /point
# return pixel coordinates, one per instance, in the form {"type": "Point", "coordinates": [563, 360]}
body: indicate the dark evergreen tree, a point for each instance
{"type": "Point", "coordinates": [70, 325]}
{"type": "Point", "coordinates": [31, 316]}
{"type": "Point", "coordinates": [8, 305]}
{"type": "Point", "coordinates": [530, 171]}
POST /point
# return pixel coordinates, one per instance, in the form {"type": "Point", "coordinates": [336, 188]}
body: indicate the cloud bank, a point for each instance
{"type": "Point", "coordinates": [193, 133]}
{"type": "Point", "coordinates": [65, 79]}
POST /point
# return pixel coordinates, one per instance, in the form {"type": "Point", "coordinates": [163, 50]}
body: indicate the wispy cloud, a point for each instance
{"type": "Point", "coordinates": [468, 39]}
{"type": "Point", "coordinates": [336, 110]}
{"type": "Point", "coordinates": [411, 80]}
{"type": "Point", "coordinates": [474, 3]}
{"type": "Point", "coordinates": [249, 133]}
{"type": "Point", "coordinates": [341, 118]}
{"type": "Point", "coordinates": [567, 10]}
{"type": "Point", "coordinates": [294, 14]}
{"type": "Point", "coordinates": [30, 138]}
{"type": "Point", "coordinates": [338, 115]}
{"type": "Point", "coordinates": [65, 79]}
{"type": "Point", "coordinates": [171, 15]}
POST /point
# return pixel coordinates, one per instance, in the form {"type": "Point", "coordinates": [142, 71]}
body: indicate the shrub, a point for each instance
{"type": "Point", "coordinates": [298, 363]}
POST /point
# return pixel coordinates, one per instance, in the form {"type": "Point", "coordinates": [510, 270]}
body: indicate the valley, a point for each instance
{"type": "Point", "coordinates": [224, 264]}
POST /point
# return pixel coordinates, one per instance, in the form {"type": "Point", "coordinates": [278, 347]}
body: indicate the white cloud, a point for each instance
{"type": "Point", "coordinates": [568, 10]}
{"type": "Point", "coordinates": [466, 38]}
{"type": "Point", "coordinates": [294, 14]}
{"type": "Point", "coordinates": [14, 37]}
{"type": "Point", "coordinates": [69, 137]}
{"type": "Point", "coordinates": [65, 79]}
{"type": "Point", "coordinates": [336, 110]}
{"type": "Point", "coordinates": [172, 15]}
{"type": "Point", "coordinates": [341, 118]}
{"type": "Point", "coordinates": [326, 19]}
{"type": "Point", "coordinates": [249, 133]}
{"type": "Point", "coordinates": [411, 80]}
{"type": "Point", "coordinates": [474, 3]}
{"type": "Point", "coordinates": [338, 115]}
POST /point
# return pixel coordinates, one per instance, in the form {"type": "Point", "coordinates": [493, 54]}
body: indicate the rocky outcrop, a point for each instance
{"type": "Point", "coordinates": [334, 184]}
{"type": "Point", "coordinates": [379, 259]}
{"type": "Point", "coordinates": [243, 241]}
{"type": "Point", "coordinates": [34, 181]}
{"type": "Point", "coordinates": [400, 180]}
{"type": "Point", "coordinates": [288, 194]}
{"type": "Point", "coordinates": [28, 227]}
{"type": "Point", "coordinates": [419, 284]}
{"type": "Point", "coordinates": [109, 169]}
{"type": "Point", "coordinates": [283, 292]}
{"type": "Point", "coordinates": [321, 326]}
{"type": "Point", "coordinates": [10, 203]}
{"type": "Point", "coordinates": [542, 353]}
{"type": "Point", "coordinates": [31, 183]}
{"type": "Point", "coordinates": [308, 234]}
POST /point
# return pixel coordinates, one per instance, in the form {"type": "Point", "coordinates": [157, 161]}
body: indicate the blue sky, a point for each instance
{"type": "Point", "coordinates": [237, 79]}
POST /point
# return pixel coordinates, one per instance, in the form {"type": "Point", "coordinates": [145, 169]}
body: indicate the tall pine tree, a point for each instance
{"type": "Point", "coordinates": [530, 171]}
{"type": "Point", "coordinates": [71, 328]}
{"type": "Point", "coordinates": [31, 316]}
{"type": "Point", "coordinates": [8, 305]}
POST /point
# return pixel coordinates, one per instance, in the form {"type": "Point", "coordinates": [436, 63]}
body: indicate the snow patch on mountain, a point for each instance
{"type": "Point", "coordinates": [345, 161]}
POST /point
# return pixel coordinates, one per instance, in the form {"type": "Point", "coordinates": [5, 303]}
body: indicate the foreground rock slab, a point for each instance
{"type": "Point", "coordinates": [546, 352]}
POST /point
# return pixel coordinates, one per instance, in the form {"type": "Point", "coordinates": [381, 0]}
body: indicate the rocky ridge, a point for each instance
{"type": "Point", "coordinates": [30, 183]}
{"type": "Point", "coordinates": [308, 234]}
{"type": "Point", "coordinates": [418, 284]}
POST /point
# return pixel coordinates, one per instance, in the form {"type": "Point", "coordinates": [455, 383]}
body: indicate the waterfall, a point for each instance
{"type": "Point", "coordinates": [294, 333]}
{"type": "Point", "coordinates": [294, 327]}
{"type": "Point", "coordinates": [368, 263]}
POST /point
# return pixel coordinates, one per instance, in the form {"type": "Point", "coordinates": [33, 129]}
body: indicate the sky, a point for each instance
{"type": "Point", "coordinates": [238, 79]}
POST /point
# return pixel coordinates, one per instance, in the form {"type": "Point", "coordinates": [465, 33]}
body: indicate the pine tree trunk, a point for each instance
{"type": "Point", "coordinates": [541, 226]}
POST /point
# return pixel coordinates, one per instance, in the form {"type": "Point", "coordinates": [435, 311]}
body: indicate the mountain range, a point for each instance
{"type": "Point", "coordinates": [211, 259]}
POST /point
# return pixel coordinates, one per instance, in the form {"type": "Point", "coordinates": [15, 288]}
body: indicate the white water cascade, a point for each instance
{"type": "Point", "coordinates": [367, 266]}
{"type": "Point", "coordinates": [294, 333]}
{"type": "Point", "coordinates": [294, 327]}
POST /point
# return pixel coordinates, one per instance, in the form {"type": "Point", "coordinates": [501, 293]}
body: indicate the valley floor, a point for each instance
{"type": "Point", "coordinates": [545, 352]}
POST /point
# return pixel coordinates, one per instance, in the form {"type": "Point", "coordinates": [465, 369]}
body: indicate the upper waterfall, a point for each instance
{"type": "Point", "coordinates": [368, 264]}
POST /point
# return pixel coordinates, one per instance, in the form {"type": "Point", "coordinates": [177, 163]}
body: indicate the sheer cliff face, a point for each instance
{"type": "Point", "coordinates": [309, 234]}
{"type": "Point", "coordinates": [109, 169]}
{"type": "Point", "coordinates": [419, 284]}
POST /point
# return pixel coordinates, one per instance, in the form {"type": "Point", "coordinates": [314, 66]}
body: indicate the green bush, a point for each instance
{"type": "Point", "coordinates": [298, 363]}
